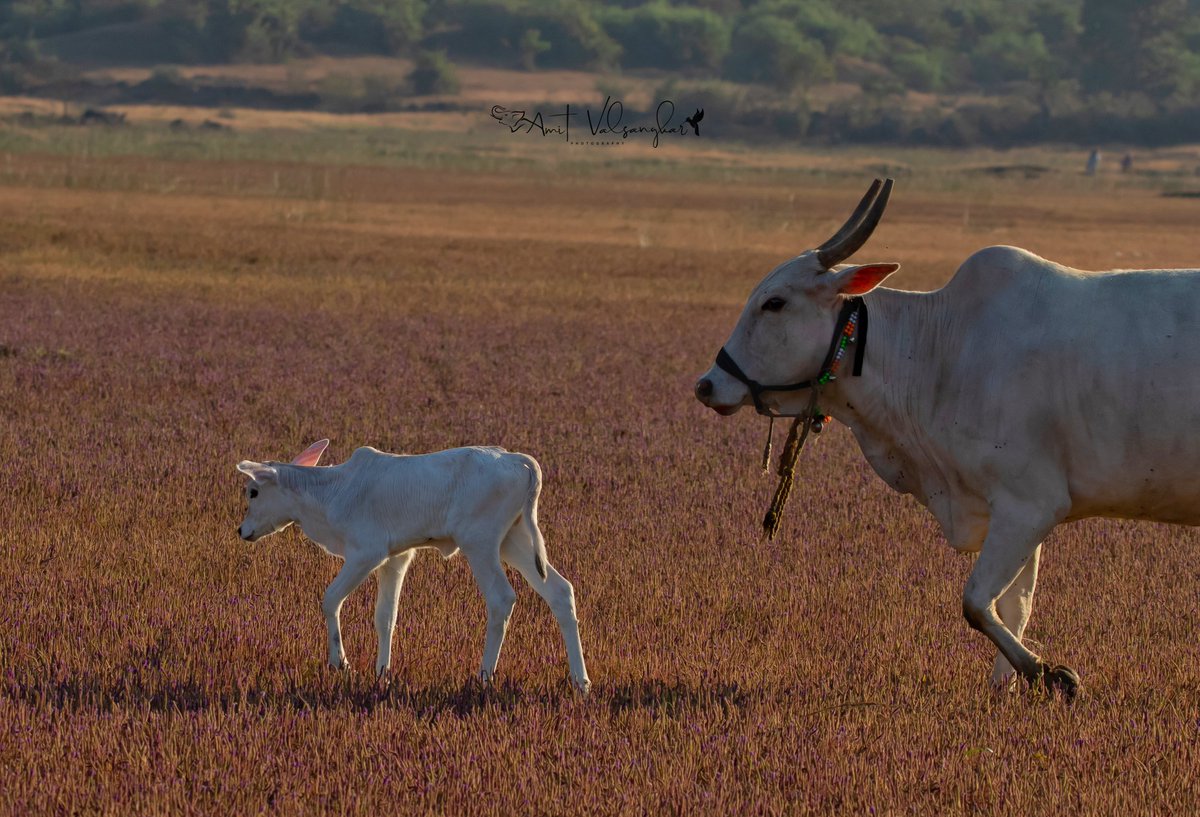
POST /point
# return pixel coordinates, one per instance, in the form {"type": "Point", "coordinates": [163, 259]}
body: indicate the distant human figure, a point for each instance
{"type": "Point", "coordinates": [1093, 162]}
{"type": "Point", "coordinates": [1127, 163]}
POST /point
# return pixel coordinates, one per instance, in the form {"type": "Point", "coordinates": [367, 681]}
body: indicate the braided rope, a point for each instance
{"type": "Point", "coordinates": [797, 435]}
{"type": "Point", "coordinates": [802, 425]}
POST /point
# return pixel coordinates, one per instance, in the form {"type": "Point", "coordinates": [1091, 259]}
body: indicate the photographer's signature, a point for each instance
{"type": "Point", "coordinates": [605, 128]}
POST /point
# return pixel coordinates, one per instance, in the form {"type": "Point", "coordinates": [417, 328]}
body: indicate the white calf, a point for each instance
{"type": "Point", "coordinates": [376, 510]}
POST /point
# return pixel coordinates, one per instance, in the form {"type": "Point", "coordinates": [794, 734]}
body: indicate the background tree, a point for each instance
{"type": "Point", "coordinates": [531, 45]}
{"type": "Point", "coordinates": [771, 50]}
{"type": "Point", "coordinates": [1139, 45]}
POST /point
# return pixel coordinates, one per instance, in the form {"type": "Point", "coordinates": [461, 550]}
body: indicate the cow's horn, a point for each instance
{"type": "Point", "coordinates": [858, 228]}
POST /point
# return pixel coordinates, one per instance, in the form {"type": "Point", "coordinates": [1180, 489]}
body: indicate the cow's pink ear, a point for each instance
{"type": "Point", "coordinates": [862, 279]}
{"type": "Point", "coordinates": [312, 454]}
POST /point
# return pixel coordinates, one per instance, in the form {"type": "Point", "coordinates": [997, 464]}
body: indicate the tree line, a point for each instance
{"type": "Point", "coordinates": [1031, 67]}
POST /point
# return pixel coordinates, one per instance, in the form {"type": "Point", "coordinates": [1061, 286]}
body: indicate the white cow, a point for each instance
{"type": "Point", "coordinates": [376, 510]}
{"type": "Point", "coordinates": [1020, 395]}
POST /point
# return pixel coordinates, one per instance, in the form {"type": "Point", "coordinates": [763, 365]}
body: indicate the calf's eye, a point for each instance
{"type": "Point", "coordinates": [774, 304]}
{"type": "Point", "coordinates": [253, 493]}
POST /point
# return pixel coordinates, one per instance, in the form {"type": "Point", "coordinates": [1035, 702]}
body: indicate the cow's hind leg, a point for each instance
{"type": "Point", "coordinates": [1014, 608]}
{"type": "Point", "coordinates": [499, 595]}
{"type": "Point", "coordinates": [519, 551]}
{"type": "Point", "coordinates": [1013, 539]}
{"type": "Point", "coordinates": [390, 577]}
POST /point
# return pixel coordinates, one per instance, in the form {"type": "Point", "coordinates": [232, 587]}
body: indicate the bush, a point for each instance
{"type": "Point", "coordinates": [343, 93]}
{"type": "Point", "coordinates": [920, 70]}
{"type": "Point", "coordinates": [1004, 56]}
{"type": "Point", "coordinates": [434, 74]}
{"type": "Point", "coordinates": [792, 123]}
{"type": "Point", "coordinates": [841, 35]}
{"type": "Point", "coordinates": [19, 50]}
{"type": "Point", "coordinates": [339, 93]}
{"type": "Point", "coordinates": [659, 35]}
{"type": "Point", "coordinates": [724, 103]}
{"type": "Point", "coordinates": [531, 46]}
{"type": "Point", "coordinates": [381, 26]}
{"type": "Point", "coordinates": [13, 80]}
{"type": "Point", "coordinates": [1005, 122]}
{"type": "Point", "coordinates": [494, 27]}
{"type": "Point", "coordinates": [739, 112]}
{"type": "Point", "coordinates": [883, 84]}
{"type": "Point", "coordinates": [770, 50]}
{"type": "Point", "coordinates": [167, 82]}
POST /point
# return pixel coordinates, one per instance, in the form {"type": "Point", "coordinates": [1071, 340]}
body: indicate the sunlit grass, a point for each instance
{"type": "Point", "coordinates": [163, 318]}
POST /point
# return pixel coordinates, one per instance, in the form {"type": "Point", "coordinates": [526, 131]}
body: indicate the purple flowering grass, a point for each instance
{"type": "Point", "coordinates": [154, 663]}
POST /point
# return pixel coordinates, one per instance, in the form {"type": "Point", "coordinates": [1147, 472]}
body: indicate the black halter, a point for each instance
{"type": "Point", "coordinates": [826, 374]}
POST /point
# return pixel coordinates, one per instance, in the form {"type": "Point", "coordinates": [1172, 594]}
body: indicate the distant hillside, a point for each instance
{"type": "Point", "coordinates": [925, 71]}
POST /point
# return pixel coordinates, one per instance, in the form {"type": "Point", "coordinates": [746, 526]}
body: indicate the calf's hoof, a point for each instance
{"type": "Point", "coordinates": [1060, 680]}
{"type": "Point", "coordinates": [584, 686]}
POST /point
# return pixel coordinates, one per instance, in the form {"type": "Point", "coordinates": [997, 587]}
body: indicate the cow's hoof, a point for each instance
{"type": "Point", "coordinates": [1004, 686]}
{"type": "Point", "coordinates": [1061, 680]}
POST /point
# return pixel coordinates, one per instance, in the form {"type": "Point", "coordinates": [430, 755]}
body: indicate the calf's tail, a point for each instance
{"type": "Point", "coordinates": [530, 514]}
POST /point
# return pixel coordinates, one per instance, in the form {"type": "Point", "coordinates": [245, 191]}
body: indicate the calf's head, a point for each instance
{"type": "Point", "coordinates": [270, 504]}
{"type": "Point", "coordinates": [787, 325]}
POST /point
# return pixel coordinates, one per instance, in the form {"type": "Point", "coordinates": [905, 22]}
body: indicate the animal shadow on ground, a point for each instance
{"type": "Point", "coordinates": [355, 692]}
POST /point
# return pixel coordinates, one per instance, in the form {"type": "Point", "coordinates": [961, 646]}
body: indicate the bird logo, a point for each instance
{"type": "Point", "coordinates": [694, 120]}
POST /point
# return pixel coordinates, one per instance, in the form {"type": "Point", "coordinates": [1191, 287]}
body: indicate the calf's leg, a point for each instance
{"type": "Point", "coordinates": [390, 577]}
{"type": "Point", "coordinates": [499, 596]}
{"type": "Point", "coordinates": [354, 571]}
{"type": "Point", "coordinates": [518, 550]}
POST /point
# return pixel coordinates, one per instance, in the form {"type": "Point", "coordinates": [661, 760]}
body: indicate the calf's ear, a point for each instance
{"type": "Point", "coordinates": [312, 454]}
{"type": "Point", "coordinates": [861, 279]}
{"type": "Point", "coordinates": [257, 471]}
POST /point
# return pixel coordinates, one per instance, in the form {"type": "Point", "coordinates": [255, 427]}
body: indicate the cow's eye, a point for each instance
{"type": "Point", "coordinates": [253, 493]}
{"type": "Point", "coordinates": [774, 304]}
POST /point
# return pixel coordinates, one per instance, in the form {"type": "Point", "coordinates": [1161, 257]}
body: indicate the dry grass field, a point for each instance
{"type": "Point", "coordinates": [161, 319]}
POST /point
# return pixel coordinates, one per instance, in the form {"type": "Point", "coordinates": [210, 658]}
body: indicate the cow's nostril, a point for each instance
{"type": "Point", "coordinates": [704, 388]}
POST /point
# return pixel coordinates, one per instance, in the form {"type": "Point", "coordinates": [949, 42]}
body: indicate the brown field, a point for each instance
{"type": "Point", "coordinates": [162, 319]}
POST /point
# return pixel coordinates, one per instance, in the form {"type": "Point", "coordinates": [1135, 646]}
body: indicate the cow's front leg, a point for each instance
{"type": "Point", "coordinates": [391, 577]}
{"type": "Point", "coordinates": [1014, 608]}
{"type": "Point", "coordinates": [353, 573]}
{"type": "Point", "coordinates": [1014, 536]}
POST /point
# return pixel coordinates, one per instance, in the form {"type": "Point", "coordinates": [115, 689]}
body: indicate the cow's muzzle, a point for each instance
{"type": "Point", "coordinates": [706, 390]}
